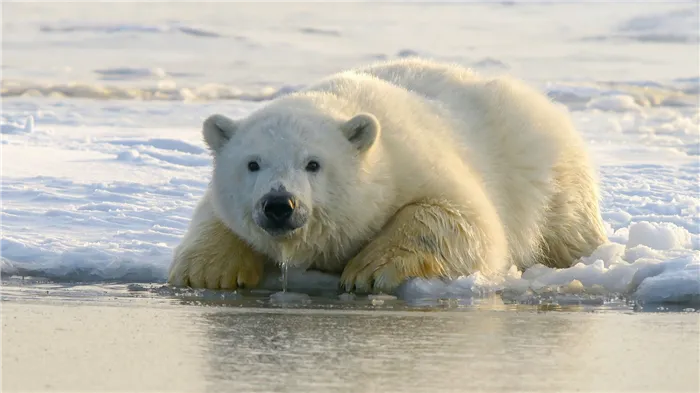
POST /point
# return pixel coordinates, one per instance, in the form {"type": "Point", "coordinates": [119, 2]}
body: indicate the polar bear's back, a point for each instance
{"type": "Point", "coordinates": [500, 116]}
{"type": "Point", "coordinates": [474, 98]}
{"type": "Point", "coordinates": [426, 78]}
{"type": "Point", "coordinates": [522, 144]}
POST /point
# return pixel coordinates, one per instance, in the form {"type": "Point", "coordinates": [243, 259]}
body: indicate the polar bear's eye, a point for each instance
{"type": "Point", "coordinates": [253, 166]}
{"type": "Point", "coordinates": [313, 166]}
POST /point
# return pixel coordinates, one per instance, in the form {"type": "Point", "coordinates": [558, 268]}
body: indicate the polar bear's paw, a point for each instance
{"type": "Point", "coordinates": [384, 271]}
{"type": "Point", "coordinates": [217, 259]}
{"type": "Point", "coordinates": [215, 272]}
{"type": "Point", "coordinates": [429, 239]}
{"type": "Point", "coordinates": [407, 247]}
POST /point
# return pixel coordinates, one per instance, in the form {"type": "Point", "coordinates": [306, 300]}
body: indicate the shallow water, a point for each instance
{"type": "Point", "coordinates": [102, 337]}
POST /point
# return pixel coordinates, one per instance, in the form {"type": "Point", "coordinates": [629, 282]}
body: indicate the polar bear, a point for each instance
{"type": "Point", "coordinates": [401, 169]}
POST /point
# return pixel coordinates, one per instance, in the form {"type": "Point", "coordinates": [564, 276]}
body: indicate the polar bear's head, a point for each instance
{"type": "Point", "coordinates": [287, 174]}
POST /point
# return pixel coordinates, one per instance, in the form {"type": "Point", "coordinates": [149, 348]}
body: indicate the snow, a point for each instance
{"type": "Point", "coordinates": [665, 236]}
{"type": "Point", "coordinates": [103, 161]}
{"type": "Point", "coordinates": [16, 128]}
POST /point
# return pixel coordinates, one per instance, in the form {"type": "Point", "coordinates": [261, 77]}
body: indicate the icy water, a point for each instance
{"type": "Point", "coordinates": [108, 338]}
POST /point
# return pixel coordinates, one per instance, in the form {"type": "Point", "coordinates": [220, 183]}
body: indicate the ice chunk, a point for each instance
{"type": "Point", "coordinates": [677, 282]}
{"type": "Point", "coordinates": [658, 236]}
{"type": "Point", "coordinates": [289, 297]}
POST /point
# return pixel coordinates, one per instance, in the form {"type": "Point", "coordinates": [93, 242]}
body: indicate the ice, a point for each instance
{"type": "Point", "coordinates": [103, 160]}
{"type": "Point", "coordinates": [674, 283]}
{"type": "Point", "coordinates": [131, 73]}
{"type": "Point", "coordinates": [420, 288]}
{"type": "Point", "coordinates": [289, 297]}
{"type": "Point", "coordinates": [664, 236]}
{"type": "Point", "coordinates": [164, 90]}
{"type": "Point", "coordinates": [617, 103]}
{"type": "Point", "coordinates": [128, 28]}
{"type": "Point", "coordinates": [673, 27]}
{"type": "Point", "coordinates": [17, 128]}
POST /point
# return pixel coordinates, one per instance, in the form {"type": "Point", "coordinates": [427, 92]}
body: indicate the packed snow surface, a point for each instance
{"type": "Point", "coordinates": [103, 163]}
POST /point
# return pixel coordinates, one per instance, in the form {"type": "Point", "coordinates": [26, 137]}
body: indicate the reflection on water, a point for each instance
{"type": "Point", "coordinates": [364, 351]}
{"type": "Point", "coordinates": [98, 338]}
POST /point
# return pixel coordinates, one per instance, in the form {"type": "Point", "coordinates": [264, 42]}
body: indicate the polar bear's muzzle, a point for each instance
{"type": "Point", "coordinates": [280, 213]}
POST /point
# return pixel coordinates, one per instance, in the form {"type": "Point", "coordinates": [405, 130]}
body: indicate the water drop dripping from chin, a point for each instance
{"type": "Point", "coordinates": [285, 268]}
{"type": "Point", "coordinates": [284, 296]}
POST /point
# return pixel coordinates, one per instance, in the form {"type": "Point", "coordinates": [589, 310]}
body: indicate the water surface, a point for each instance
{"type": "Point", "coordinates": [99, 339]}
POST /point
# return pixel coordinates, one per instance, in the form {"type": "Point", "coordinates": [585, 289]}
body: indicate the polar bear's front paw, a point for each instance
{"type": "Point", "coordinates": [213, 257]}
{"type": "Point", "coordinates": [216, 271]}
{"type": "Point", "coordinates": [385, 271]}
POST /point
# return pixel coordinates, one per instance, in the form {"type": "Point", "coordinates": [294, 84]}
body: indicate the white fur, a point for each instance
{"type": "Point", "coordinates": [508, 160]}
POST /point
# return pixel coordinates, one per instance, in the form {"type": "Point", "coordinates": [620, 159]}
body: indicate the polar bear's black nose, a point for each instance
{"type": "Point", "coordinates": [278, 207]}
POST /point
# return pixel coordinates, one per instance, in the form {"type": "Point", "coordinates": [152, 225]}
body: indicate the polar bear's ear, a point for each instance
{"type": "Point", "coordinates": [217, 130]}
{"type": "Point", "coordinates": [362, 130]}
